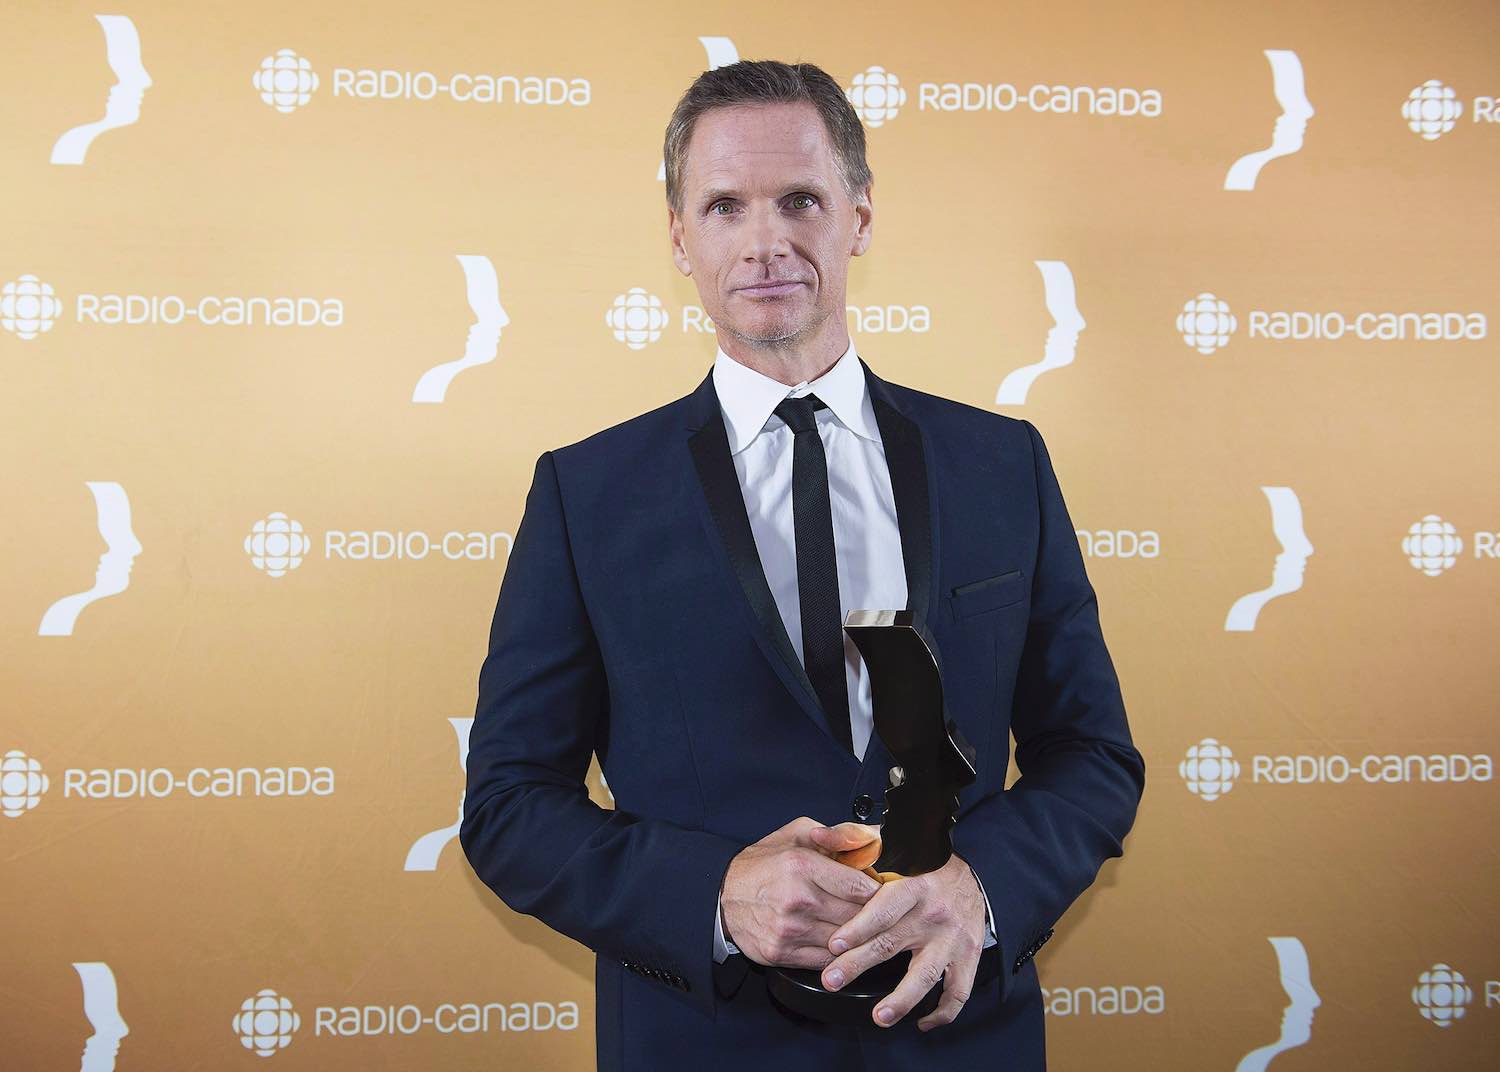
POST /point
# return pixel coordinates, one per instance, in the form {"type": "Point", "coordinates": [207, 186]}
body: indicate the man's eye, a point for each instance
{"type": "Point", "coordinates": [717, 205]}
{"type": "Point", "coordinates": [803, 197]}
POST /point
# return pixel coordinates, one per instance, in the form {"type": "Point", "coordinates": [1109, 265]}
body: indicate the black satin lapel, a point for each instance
{"type": "Point", "coordinates": [907, 462]}
{"type": "Point", "coordinates": [721, 490]}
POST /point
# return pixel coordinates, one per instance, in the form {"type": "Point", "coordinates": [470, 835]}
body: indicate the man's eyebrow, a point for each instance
{"type": "Point", "coordinates": [716, 193]}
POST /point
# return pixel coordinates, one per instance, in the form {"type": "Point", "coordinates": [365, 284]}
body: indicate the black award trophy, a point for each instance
{"type": "Point", "coordinates": [933, 762]}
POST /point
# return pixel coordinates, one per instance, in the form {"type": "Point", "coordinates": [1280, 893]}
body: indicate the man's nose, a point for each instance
{"type": "Point", "coordinates": [766, 235]}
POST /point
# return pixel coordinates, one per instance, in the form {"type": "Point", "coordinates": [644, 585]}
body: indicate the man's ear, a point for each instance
{"type": "Point", "coordinates": [674, 234]}
{"type": "Point", "coordinates": [864, 213]}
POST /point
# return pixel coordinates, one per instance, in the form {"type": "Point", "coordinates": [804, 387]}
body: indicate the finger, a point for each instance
{"type": "Point", "coordinates": [831, 911]}
{"type": "Point", "coordinates": [834, 878]}
{"type": "Point", "coordinates": [797, 831]}
{"type": "Point", "coordinates": [811, 957]}
{"type": "Point", "coordinates": [799, 944]}
{"type": "Point", "coordinates": [848, 966]}
{"type": "Point", "coordinates": [860, 858]}
{"type": "Point", "coordinates": [925, 971]}
{"type": "Point", "coordinates": [843, 837]}
{"type": "Point", "coordinates": [880, 913]}
{"type": "Point", "coordinates": [793, 938]}
{"type": "Point", "coordinates": [958, 984]}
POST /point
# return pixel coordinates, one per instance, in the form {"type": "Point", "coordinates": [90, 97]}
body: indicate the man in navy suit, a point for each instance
{"type": "Point", "coordinates": [673, 603]}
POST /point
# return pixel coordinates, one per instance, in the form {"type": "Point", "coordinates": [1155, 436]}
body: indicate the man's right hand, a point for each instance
{"type": "Point", "coordinates": [784, 896]}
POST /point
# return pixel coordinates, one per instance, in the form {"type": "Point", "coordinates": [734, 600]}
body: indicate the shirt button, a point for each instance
{"type": "Point", "coordinates": [863, 807]}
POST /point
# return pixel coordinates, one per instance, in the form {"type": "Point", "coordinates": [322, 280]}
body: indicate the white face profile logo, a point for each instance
{"type": "Point", "coordinates": [101, 1005]}
{"type": "Point", "coordinates": [1062, 338]}
{"type": "Point", "coordinates": [277, 545]}
{"type": "Point", "coordinates": [721, 53]}
{"type": "Point", "coordinates": [22, 783]}
{"type": "Point", "coordinates": [266, 1023]}
{"type": "Point", "coordinates": [484, 334]}
{"type": "Point", "coordinates": [1206, 323]}
{"type": "Point", "coordinates": [637, 318]}
{"type": "Point", "coordinates": [1291, 125]}
{"type": "Point", "coordinates": [424, 852]}
{"type": "Point", "coordinates": [28, 307]}
{"type": "Point", "coordinates": [1432, 545]}
{"type": "Point", "coordinates": [877, 95]}
{"type": "Point", "coordinates": [1441, 995]}
{"type": "Point", "coordinates": [1302, 999]}
{"type": "Point", "coordinates": [285, 81]}
{"type": "Point", "coordinates": [1209, 769]}
{"type": "Point", "coordinates": [1431, 110]}
{"type": "Point", "coordinates": [112, 576]}
{"type": "Point", "coordinates": [1286, 577]}
{"type": "Point", "coordinates": [122, 46]}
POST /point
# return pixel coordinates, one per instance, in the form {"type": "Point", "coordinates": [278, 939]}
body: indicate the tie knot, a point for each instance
{"type": "Point", "coordinates": [798, 412]}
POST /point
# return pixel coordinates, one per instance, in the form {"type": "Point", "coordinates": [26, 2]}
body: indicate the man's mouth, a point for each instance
{"type": "Point", "coordinates": [769, 289]}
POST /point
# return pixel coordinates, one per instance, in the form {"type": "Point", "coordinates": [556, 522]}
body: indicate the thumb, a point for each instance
{"type": "Point", "coordinates": [844, 837]}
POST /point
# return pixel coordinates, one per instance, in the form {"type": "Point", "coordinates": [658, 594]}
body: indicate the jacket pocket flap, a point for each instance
{"type": "Point", "coordinates": [991, 593]}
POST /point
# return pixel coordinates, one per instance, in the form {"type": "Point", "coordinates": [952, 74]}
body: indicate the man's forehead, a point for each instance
{"type": "Point", "coordinates": [727, 142]}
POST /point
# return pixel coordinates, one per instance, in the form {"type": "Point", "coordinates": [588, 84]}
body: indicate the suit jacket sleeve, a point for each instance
{"type": "Point", "coordinates": [636, 889]}
{"type": "Point", "coordinates": [1040, 844]}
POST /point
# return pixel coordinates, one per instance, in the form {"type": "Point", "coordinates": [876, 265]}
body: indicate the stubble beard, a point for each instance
{"type": "Point", "coordinates": [782, 343]}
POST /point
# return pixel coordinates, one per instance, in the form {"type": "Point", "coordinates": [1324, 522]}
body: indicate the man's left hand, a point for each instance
{"type": "Point", "coordinates": [939, 916]}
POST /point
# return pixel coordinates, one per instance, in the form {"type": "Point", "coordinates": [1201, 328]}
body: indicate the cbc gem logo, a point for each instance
{"type": "Point", "coordinates": [1432, 110]}
{"type": "Point", "coordinates": [1432, 545]}
{"type": "Point", "coordinates": [29, 307]}
{"type": "Point", "coordinates": [877, 96]}
{"type": "Point", "coordinates": [1206, 323]}
{"type": "Point", "coordinates": [1441, 995]}
{"type": "Point", "coordinates": [285, 81]}
{"type": "Point", "coordinates": [22, 783]}
{"type": "Point", "coordinates": [1209, 769]}
{"type": "Point", "coordinates": [266, 1023]}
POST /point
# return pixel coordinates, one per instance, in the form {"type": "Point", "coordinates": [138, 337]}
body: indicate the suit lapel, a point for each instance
{"type": "Point", "coordinates": [911, 488]}
{"type": "Point", "coordinates": [722, 512]}
{"type": "Point", "coordinates": [728, 526]}
{"type": "Point", "coordinates": [916, 519]}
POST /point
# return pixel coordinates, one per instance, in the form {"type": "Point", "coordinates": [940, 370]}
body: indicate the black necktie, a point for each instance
{"type": "Point", "coordinates": [817, 565]}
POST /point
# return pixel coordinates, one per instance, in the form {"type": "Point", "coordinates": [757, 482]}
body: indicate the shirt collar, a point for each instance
{"type": "Point", "coordinates": [748, 398]}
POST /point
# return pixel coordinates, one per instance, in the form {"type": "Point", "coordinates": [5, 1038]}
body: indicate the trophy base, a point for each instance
{"type": "Point", "coordinates": [800, 990]}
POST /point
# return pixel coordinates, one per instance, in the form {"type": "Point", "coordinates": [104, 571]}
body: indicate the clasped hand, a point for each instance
{"type": "Point", "coordinates": [804, 897]}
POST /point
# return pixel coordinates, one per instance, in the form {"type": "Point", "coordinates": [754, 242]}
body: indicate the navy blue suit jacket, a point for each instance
{"type": "Point", "coordinates": [634, 621]}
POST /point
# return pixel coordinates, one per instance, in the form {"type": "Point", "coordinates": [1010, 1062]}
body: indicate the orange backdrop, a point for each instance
{"type": "Point", "coordinates": [293, 298]}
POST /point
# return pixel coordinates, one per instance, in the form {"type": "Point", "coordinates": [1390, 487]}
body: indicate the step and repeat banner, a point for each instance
{"type": "Point", "coordinates": [293, 296]}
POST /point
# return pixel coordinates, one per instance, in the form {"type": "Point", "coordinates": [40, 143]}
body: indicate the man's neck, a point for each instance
{"type": "Point", "coordinates": [790, 367]}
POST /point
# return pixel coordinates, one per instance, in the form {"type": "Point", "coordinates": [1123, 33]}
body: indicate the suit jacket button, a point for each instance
{"type": "Point", "coordinates": [863, 807]}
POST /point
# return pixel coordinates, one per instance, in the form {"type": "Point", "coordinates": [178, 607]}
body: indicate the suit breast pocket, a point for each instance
{"type": "Point", "coordinates": [991, 593]}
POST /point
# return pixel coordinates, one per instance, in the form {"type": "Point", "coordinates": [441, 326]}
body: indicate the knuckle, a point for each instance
{"type": "Point", "coordinates": [883, 945]}
{"type": "Point", "coordinates": [928, 974]}
{"type": "Point", "coordinates": [937, 910]}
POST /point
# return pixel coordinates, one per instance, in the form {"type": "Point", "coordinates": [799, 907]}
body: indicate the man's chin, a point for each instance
{"type": "Point", "coordinates": [767, 336]}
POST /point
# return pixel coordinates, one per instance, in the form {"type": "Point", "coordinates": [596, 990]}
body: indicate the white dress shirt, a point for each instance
{"type": "Point", "coordinates": [866, 540]}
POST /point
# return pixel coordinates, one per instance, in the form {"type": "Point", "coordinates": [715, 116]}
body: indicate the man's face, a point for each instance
{"type": "Point", "coordinates": [766, 229]}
